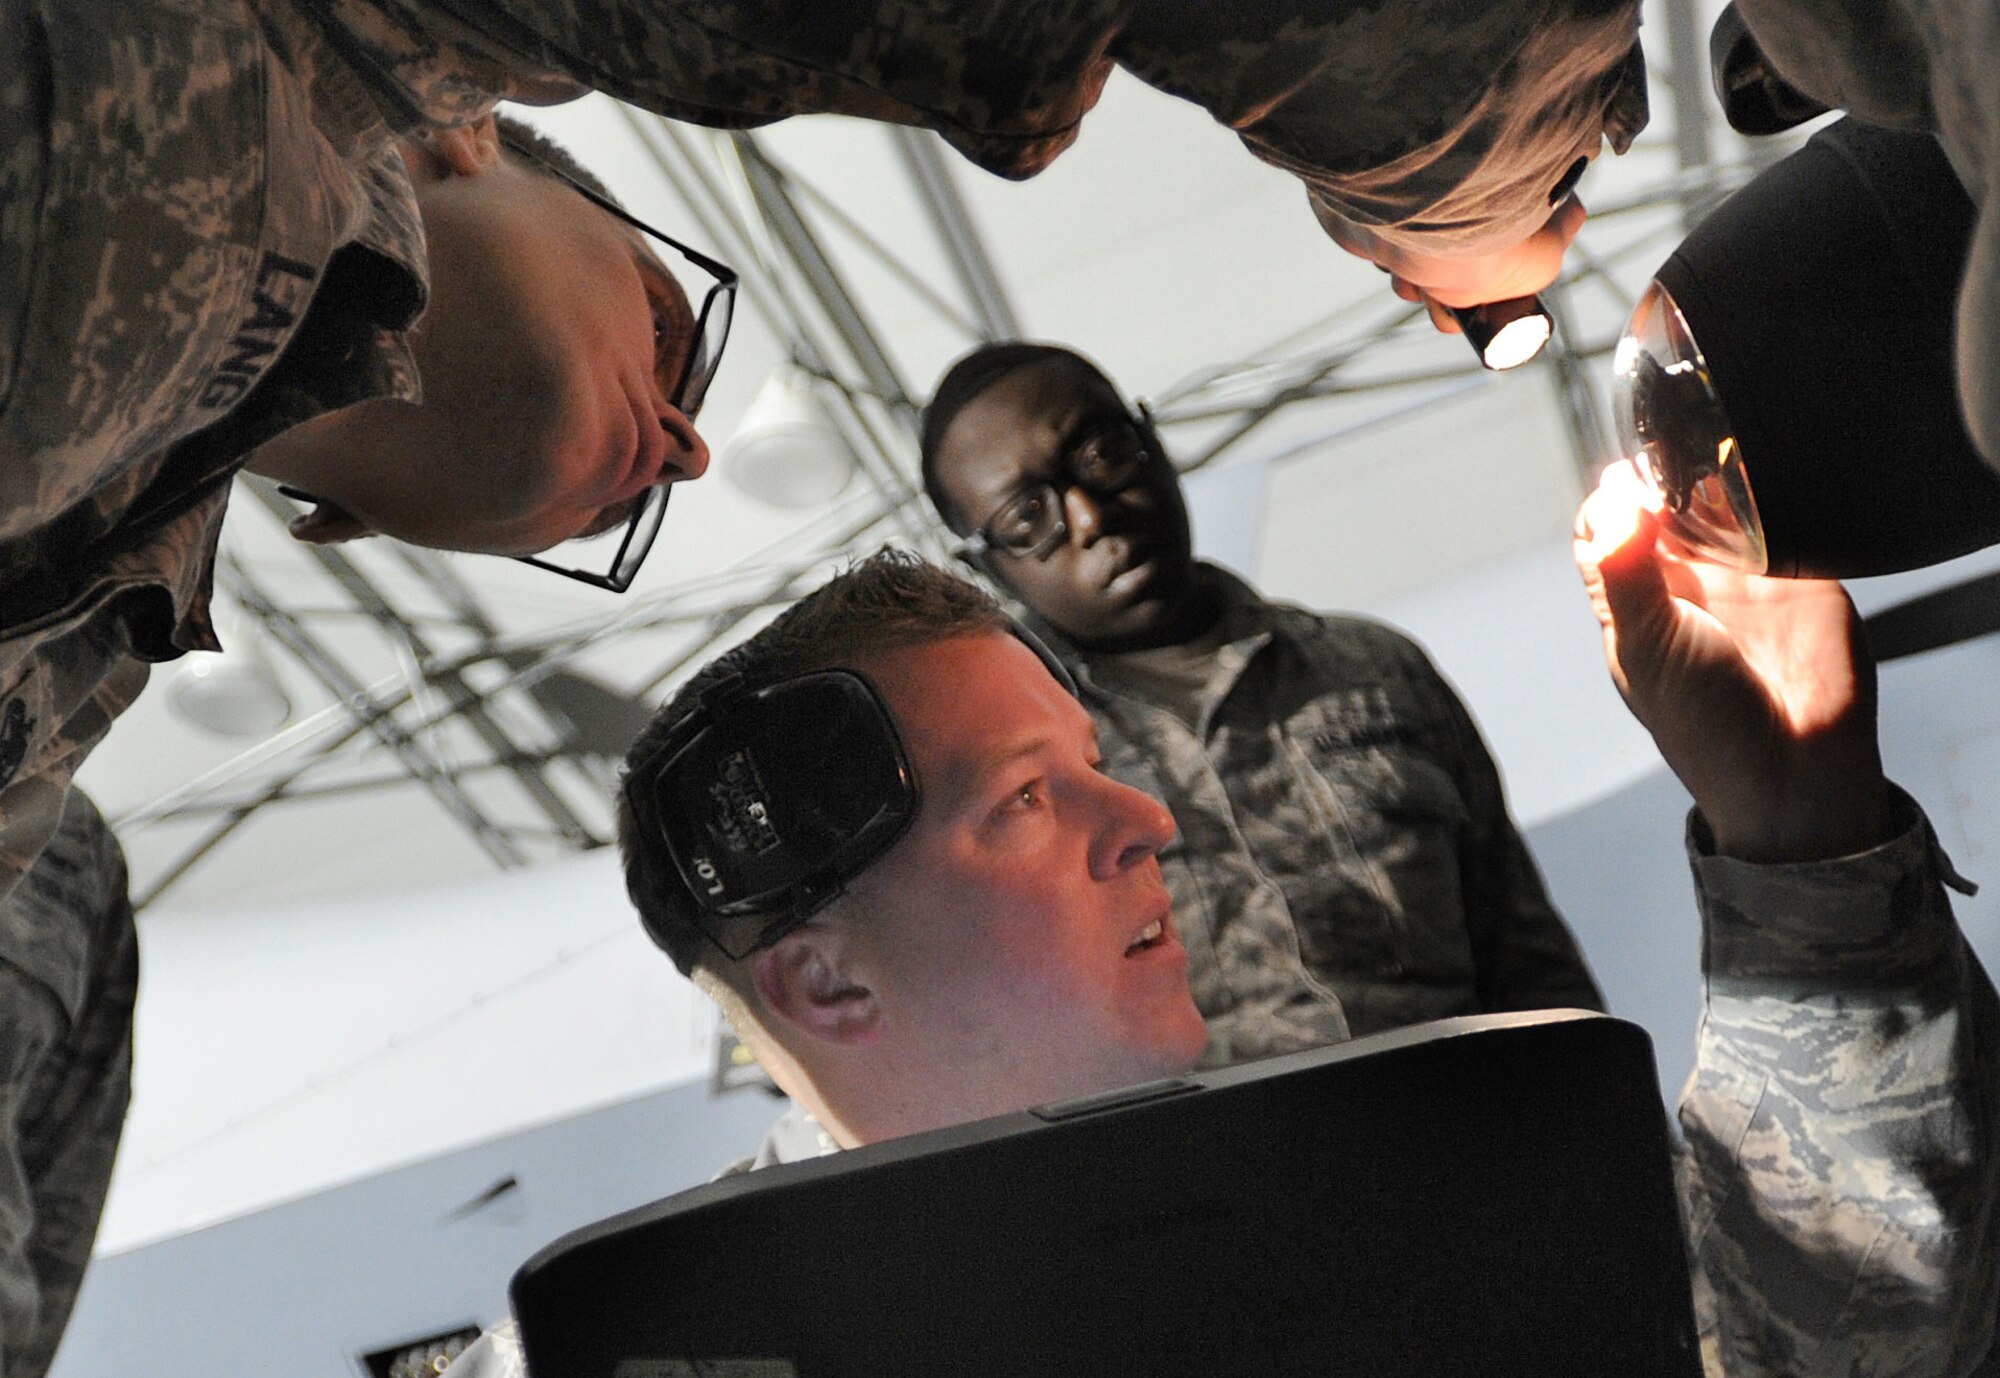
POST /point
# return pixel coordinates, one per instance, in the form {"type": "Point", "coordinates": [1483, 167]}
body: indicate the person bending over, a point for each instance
{"type": "Point", "coordinates": [547, 392]}
{"type": "Point", "coordinates": [1346, 863]}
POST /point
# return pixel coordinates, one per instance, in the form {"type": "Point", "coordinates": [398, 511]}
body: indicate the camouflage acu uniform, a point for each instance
{"type": "Point", "coordinates": [1842, 1171]}
{"type": "Point", "coordinates": [1430, 123]}
{"type": "Point", "coordinates": [65, 1075]}
{"type": "Point", "coordinates": [170, 198]}
{"type": "Point", "coordinates": [1345, 862]}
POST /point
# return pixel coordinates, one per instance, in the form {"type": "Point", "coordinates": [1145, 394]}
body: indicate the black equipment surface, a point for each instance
{"type": "Point", "coordinates": [1489, 1195]}
{"type": "Point", "coordinates": [1822, 296]}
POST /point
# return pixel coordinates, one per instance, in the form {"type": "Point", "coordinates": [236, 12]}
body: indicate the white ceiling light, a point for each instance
{"type": "Point", "coordinates": [233, 695]}
{"type": "Point", "coordinates": [786, 451]}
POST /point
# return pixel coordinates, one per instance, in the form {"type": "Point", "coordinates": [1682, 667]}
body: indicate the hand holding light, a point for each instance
{"type": "Point", "coordinates": [1756, 690]}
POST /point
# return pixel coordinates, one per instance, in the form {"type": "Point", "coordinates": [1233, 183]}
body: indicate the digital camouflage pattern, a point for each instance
{"type": "Point", "coordinates": [1432, 122]}
{"type": "Point", "coordinates": [170, 200]}
{"type": "Point", "coordinates": [1345, 862]}
{"type": "Point", "coordinates": [65, 1076]}
{"type": "Point", "coordinates": [1841, 1168]}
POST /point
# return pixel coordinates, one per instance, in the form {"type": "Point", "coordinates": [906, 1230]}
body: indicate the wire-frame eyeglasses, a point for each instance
{"type": "Point", "coordinates": [1105, 462]}
{"type": "Point", "coordinates": [635, 532]}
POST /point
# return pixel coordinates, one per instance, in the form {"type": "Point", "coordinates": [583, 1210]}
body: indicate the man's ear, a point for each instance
{"type": "Point", "coordinates": [805, 980]}
{"type": "Point", "coordinates": [328, 524]}
{"type": "Point", "coordinates": [463, 151]}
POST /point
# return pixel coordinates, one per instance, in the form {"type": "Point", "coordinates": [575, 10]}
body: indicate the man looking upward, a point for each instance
{"type": "Point", "coordinates": [1346, 863]}
{"type": "Point", "coordinates": [1010, 946]}
{"type": "Point", "coordinates": [1059, 972]}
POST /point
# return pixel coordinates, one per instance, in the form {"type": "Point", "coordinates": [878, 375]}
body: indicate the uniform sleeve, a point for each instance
{"type": "Point", "coordinates": [56, 703]}
{"type": "Point", "coordinates": [1004, 83]}
{"type": "Point", "coordinates": [1839, 1174]}
{"type": "Point", "coordinates": [1524, 955]}
{"type": "Point", "coordinates": [1428, 123]}
{"type": "Point", "coordinates": [65, 1073]}
{"type": "Point", "coordinates": [1424, 125]}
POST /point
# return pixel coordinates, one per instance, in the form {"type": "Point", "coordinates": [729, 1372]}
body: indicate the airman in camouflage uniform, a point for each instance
{"type": "Point", "coordinates": [1349, 866]}
{"type": "Point", "coordinates": [1838, 1183]}
{"type": "Point", "coordinates": [1838, 1186]}
{"type": "Point", "coordinates": [1345, 863]}
{"type": "Point", "coordinates": [1841, 1176]}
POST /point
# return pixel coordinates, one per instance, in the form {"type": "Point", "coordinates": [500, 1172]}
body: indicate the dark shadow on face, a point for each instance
{"type": "Point", "coordinates": [1121, 576]}
{"type": "Point", "coordinates": [549, 351]}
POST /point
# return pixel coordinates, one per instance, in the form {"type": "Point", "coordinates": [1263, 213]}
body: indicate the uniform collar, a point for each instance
{"type": "Point", "coordinates": [1249, 622]}
{"type": "Point", "coordinates": [1245, 617]}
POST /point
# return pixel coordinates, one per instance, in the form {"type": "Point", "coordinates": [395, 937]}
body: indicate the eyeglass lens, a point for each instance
{"type": "Point", "coordinates": [711, 333]}
{"type": "Point", "coordinates": [1105, 463]}
{"type": "Point", "coordinates": [635, 536]}
{"type": "Point", "coordinates": [639, 534]}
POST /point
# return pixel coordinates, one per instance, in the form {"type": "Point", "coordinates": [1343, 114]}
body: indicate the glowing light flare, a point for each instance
{"type": "Point", "coordinates": [1516, 342]}
{"type": "Point", "coordinates": [1610, 514]}
{"type": "Point", "coordinates": [1505, 334]}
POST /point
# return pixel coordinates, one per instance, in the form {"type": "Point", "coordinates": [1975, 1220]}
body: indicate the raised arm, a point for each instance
{"type": "Point", "coordinates": [1840, 1175]}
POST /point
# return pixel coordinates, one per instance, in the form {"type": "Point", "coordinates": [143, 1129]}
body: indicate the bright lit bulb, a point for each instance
{"type": "Point", "coordinates": [1516, 342]}
{"type": "Point", "coordinates": [1505, 334]}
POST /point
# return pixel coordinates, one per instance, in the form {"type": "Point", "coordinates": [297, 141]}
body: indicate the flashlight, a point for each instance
{"type": "Point", "coordinates": [1505, 334]}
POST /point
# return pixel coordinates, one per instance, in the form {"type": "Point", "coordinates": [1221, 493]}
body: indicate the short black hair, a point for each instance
{"type": "Point", "coordinates": [965, 380]}
{"type": "Point", "coordinates": [532, 146]}
{"type": "Point", "coordinates": [891, 600]}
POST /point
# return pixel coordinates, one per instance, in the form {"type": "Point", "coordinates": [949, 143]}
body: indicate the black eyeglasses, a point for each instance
{"type": "Point", "coordinates": [1105, 462]}
{"type": "Point", "coordinates": [620, 541]}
